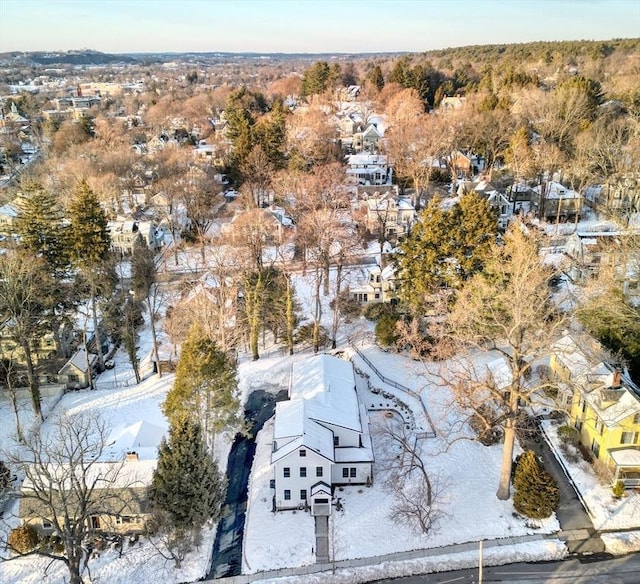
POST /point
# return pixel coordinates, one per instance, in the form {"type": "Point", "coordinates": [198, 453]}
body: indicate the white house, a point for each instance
{"type": "Point", "coordinates": [369, 169]}
{"type": "Point", "coordinates": [321, 436]}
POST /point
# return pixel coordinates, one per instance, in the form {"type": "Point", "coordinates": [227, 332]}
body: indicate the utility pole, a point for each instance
{"type": "Point", "coordinates": [480, 562]}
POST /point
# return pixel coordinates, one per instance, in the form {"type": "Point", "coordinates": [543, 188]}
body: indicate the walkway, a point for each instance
{"type": "Point", "coordinates": [376, 560]}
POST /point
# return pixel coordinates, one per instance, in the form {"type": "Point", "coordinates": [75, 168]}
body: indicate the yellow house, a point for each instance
{"type": "Point", "coordinates": [605, 409]}
{"type": "Point", "coordinates": [603, 405]}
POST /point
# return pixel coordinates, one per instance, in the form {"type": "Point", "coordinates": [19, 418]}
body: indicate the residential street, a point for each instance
{"type": "Point", "coordinates": [623, 570]}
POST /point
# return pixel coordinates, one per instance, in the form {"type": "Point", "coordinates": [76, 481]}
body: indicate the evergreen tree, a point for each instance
{"type": "Point", "coordinates": [317, 78]}
{"type": "Point", "coordinates": [40, 227]}
{"type": "Point", "coordinates": [376, 78]}
{"type": "Point", "coordinates": [205, 387]}
{"type": "Point", "coordinates": [90, 245]}
{"type": "Point", "coordinates": [536, 491]}
{"type": "Point", "coordinates": [90, 241]}
{"type": "Point", "coordinates": [186, 484]}
{"type": "Point", "coordinates": [445, 248]}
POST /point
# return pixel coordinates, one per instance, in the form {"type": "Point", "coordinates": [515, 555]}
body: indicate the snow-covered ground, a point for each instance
{"type": "Point", "coordinates": [465, 473]}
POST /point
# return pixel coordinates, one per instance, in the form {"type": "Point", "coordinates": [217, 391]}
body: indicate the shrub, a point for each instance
{"type": "Point", "coordinates": [569, 435]}
{"type": "Point", "coordinates": [536, 491]}
{"type": "Point", "coordinates": [618, 489]}
{"type": "Point", "coordinates": [305, 335]}
{"type": "Point", "coordinates": [24, 539]}
{"type": "Point", "coordinates": [481, 423]}
{"type": "Point", "coordinates": [386, 330]}
{"type": "Point", "coordinates": [373, 312]}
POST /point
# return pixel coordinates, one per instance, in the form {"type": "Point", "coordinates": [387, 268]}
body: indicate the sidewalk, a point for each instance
{"type": "Point", "coordinates": [471, 546]}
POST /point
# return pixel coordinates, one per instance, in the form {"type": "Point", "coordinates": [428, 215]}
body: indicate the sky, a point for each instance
{"type": "Point", "coordinates": [305, 26]}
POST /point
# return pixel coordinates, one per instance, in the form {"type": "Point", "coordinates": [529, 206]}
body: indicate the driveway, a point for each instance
{"type": "Point", "coordinates": [574, 520]}
{"type": "Point", "coordinates": [227, 548]}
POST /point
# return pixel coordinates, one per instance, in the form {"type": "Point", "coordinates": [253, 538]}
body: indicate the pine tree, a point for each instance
{"type": "Point", "coordinates": [376, 78]}
{"type": "Point", "coordinates": [89, 238]}
{"type": "Point", "coordinates": [205, 388]}
{"type": "Point", "coordinates": [40, 227]}
{"type": "Point", "coordinates": [536, 491]}
{"type": "Point", "coordinates": [186, 484]}
{"type": "Point", "coordinates": [446, 247]}
{"type": "Point", "coordinates": [90, 244]}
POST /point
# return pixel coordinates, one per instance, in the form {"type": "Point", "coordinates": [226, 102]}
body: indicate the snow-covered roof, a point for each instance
{"type": "Point", "coordinates": [142, 437]}
{"type": "Point", "coordinates": [571, 355]}
{"type": "Point", "coordinates": [79, 361]}
{"type": "Point", "coordinates": [322, 394]}
{"type": "Point", "coordinates": [8, 210]}
{"type": "Point", "coordinates": [625, 456]}
{"type": "Point", "coordinates": [327, 384]}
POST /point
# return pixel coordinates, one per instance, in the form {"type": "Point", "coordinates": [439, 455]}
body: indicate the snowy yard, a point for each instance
{"type": "Point", "coordinates": [464, 471]}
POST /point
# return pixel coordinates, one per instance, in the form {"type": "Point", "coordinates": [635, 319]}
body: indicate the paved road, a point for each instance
{"type": "Point", "coordinates": [622, 570]}
{"type": "Point", "coordinates": [227, 548]}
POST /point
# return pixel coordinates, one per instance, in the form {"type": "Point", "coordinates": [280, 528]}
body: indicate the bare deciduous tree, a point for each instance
{"type": "Point", "coordinates": [403, 471]}
{"type": "Point", "coordinates": [507, 309]}
{"type": "Point", "coordinates": [66, 484]}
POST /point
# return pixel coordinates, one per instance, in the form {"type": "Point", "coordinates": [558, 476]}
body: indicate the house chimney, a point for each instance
{"type": "Point", "coordinates": [616, 378]}
{"type": "Point", "coordinates": [131, 456]}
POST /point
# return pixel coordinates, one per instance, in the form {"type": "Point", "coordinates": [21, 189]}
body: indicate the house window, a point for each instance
{"type": "Point", "coordinates": [629, 438]}
{"type": "Point", "coordinates": [377, 295]}
{"type": "Point", "coordinates": [636, 419]}
{"type": "Point", "coordinates": [336, 440]}
{"type": "Point", "coordinates": [345, 473]}
{"type": "Point", "coordinates": [595, 448]}
{"type": "Point", "coordinates": [352, 472]}
{"type": "Point", "coordinates": [126, 519]}
{"type": "Point", "coordinates": [583, 406]}
{"type": "Point", "coordinates": [303, 494]}
{"type": "Point", "coordinates": [599, 426]}
{"type": "Point", "coordinates": [303, 471]}
{"type": "Point", "coordinates": [46, 524]}
{"type": "Point", "coordinates": [287, 495]}
{"type": "Point", "coordinates": [579, 425]}
{"type": "Point", "coordinates": [318, 471]}
{"type": "Point", "coordinates": [73, 379]}
{"type": "Point", "coordinates": [303, 452]}
{"type": "Point", "coordinates": [286, 471]}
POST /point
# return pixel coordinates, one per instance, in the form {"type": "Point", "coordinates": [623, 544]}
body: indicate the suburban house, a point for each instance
{"type": "Point", "coordinates": [496, 199]}
{"type": "Point", "coordinates": [119, 499]}
{"type": "Point", "coordinates": [378, 285]}
{"type": "Point", "coordinates": [620, 198]}
{"type": "Point", "coordinates": [8, 218]}
{"type": "Point", "coordinates": [390, 214]}
{"type": "Point", "coordinates": [552, 201]}
{"type": "Point", "coordinates": [320, 436]}
{"type": "Point", "coordinates": [49, 343]}
{"type": "Point", "coordinates": [367, 140]}
{"type": "Point", "coordinates": [270, 226]}
{"type": "Point", "coordinates": [76, 372]}
{"type": "Point", "coordinates": [604, 407]}
{"type": "Point", "coordinates": [369, 169]}
{"type": "Point", "coordinates": [125, 233]}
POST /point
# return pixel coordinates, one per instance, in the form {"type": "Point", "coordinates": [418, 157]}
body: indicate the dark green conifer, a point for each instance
{"type": "Point", "coordinates": [536, 491]}
{"type": "Point", "coordinates": [186, 484]}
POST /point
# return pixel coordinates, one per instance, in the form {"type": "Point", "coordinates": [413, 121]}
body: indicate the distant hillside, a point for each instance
{"type": "Point", "coordinates": [84, 57]}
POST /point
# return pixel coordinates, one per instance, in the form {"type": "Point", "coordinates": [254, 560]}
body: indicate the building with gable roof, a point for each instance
{"type": "Point", "coordinates": [321, 436]}
{"type": "Point", "coordinates": [604, 407]}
